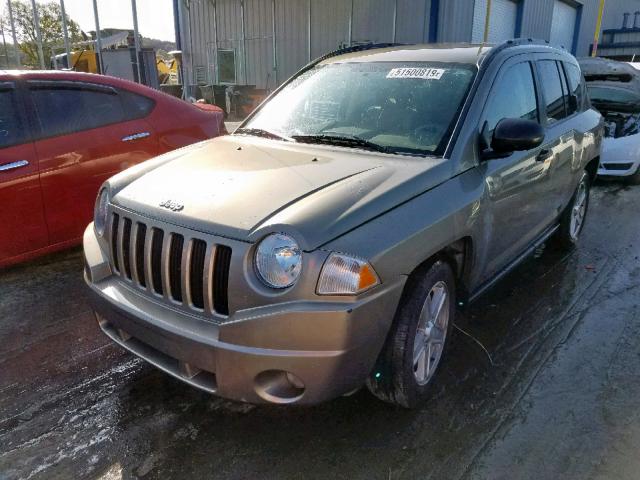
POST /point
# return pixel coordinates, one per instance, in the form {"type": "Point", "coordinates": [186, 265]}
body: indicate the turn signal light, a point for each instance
{"type": "Point", "coordinates": [345, 275]}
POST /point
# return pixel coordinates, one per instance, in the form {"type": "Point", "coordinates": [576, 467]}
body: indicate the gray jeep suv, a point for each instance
{"type": "Point", "coordinates": [326, 243]}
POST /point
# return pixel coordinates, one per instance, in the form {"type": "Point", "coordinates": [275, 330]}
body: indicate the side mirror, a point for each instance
{"type": "Point", "coordinates": [516, 134]}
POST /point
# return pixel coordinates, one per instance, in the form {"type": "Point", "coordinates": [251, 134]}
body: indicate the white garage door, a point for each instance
{"type": "Point", "coordinates": [563, 24]}
{"type": "Point", "coordinates": [502, 20]}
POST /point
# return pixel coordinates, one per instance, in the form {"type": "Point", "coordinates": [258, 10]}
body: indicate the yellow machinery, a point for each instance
{"type": "Point", "coordinates": [81, 61]}
{"type": "Point", "coordinates": [167, 71]}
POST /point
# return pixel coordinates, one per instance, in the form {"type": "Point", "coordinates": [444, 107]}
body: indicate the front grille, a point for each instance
{"type": "Point", "coordinates": [126, 248]}
{"type": "Point", "coordinates": [184, 270]}
{"type": "Point", "coordinates": [617, 166]}
{"type": "Point", "coordinates": [175, 264]}
{"type": "Point", "coordinates": [156, 260]}
{"type": "Point", "coordinates": [198, 253]}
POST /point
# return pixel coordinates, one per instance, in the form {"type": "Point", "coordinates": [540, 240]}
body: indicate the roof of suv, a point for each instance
{"type": "Point", "coordinates": [455, 53]}
{"type": "Point", "coordinates": [471, 53]}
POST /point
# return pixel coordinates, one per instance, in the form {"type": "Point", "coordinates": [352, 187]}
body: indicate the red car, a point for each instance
{"type": "Point", "coordinates": [62, 134]}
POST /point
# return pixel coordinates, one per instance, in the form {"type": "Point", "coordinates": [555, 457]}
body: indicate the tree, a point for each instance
{"type": "Point", "coordinates": [50, 28]}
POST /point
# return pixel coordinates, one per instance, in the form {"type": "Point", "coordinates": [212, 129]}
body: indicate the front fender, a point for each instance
{"type": "Point", "coordinates": [403, 238]}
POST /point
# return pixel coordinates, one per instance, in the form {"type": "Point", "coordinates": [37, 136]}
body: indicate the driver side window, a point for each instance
{"type": "Point", "coordinates": [11, 132]}
{"type": "Point", "coordinates": [512, 96]}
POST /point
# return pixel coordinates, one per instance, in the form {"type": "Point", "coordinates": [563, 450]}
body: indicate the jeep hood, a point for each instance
{"type": "Point", "coordinates": [246, 187]}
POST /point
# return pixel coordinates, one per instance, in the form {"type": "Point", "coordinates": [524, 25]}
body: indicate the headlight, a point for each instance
{"type": "Point", "coordinates": [345, 275]}
{"type": "Point", "coordinates": [278, 260]}
{"type": "Point", "coordinates": [100, 214]}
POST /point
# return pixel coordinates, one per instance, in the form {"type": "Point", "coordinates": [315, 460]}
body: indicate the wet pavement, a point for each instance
{"type": "Point", "coordinates": [556, 394]}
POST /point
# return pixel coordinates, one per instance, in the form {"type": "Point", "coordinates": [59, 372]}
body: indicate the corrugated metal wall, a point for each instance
{"type": "Point", "coordinates": [413, 21]}
{"type": "Point", "coordinates": [258, 42]}
{"type": "Point", "coordinates": [329, 25]}
{"type": "Point", "coordinates": [372, 21]}
{"type": "Point", "coordinates": [292, 36]}
{"type": "Point", "coordinates": [455, 20]}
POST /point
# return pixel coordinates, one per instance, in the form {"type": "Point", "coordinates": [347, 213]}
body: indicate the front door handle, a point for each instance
{"type": "Point", "coordinates": [135, 136]}
{"type": "Point", "coordinates": [5, 167]}
{"type": "Point", "coordinates": [543, 155]}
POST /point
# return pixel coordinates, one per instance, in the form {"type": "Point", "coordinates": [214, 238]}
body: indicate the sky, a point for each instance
{"type": "Point", "coordinates": [155, 17]}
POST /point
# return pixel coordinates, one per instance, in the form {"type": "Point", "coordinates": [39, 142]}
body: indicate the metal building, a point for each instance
{"type": "Point", "coordinates": [263, 42]}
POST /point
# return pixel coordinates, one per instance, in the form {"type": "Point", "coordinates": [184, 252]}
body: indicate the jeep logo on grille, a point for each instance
{"type": "Point", "coordinates": [172, 205]}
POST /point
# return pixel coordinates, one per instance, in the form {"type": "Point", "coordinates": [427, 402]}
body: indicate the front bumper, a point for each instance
{"type": "Point", "coordinates": [620, 157]}
{"type": "Point", "coordinates": [618, 169]}
{"type": "Point", "coordinates": [302, 352]}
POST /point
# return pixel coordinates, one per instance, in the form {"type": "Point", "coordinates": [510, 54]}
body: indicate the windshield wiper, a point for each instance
{"type": "Point", "coordinates": [260, 132]}
{"type": "Point", "coordinates": [342, 141]}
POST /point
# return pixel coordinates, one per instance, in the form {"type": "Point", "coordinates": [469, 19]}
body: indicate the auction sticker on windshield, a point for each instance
{"type": "Point", "coordinates": [424, 73]}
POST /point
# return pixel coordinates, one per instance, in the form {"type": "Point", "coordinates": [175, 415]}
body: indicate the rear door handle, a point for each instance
{"type": "Point", "coordinates": [543, 155]}
{"type": "Point", "coordinates": [5, 167]}
{"type": "Point", "coordinates": [135, 136]}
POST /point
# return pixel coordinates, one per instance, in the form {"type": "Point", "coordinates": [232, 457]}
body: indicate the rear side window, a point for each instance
{"type": "Point", "coordinates": [552, 90]}
{"type": "Point", "coordinates": [136, 106]}
{"type": "Point", "coordinates": [11, 131]}
{"type": "Point", "coordinates": [513, 96]}
{"type": "Point", "coordinates": [575, 83]}
{"type": "Point", "coordinates": [64, 110]}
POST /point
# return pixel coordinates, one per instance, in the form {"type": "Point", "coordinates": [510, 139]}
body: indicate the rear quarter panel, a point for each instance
{"type": "Point", "coordinates": [178, 123]}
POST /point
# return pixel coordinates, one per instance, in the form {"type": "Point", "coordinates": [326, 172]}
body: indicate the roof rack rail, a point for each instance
{"type": "Point", "coordinates": [522, 41]}
{"type": "Point", "coordinates": [351, 49]}
{"type": "Point", "coordinates": [516, 42]}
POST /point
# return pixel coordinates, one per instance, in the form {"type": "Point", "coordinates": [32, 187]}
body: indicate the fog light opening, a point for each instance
{"type": "Point", "coordinates": [279, 386]}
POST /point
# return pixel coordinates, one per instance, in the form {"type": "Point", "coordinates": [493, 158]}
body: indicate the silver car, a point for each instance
{"type": "Point", "coordinates": [327, 243]}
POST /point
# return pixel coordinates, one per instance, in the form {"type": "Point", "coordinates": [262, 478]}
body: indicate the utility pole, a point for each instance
{"type": "Point", "coordinates": [309, 30]}
{"type": "Point", "coordinates": [485, 37]}
{"type": "Point", "coordinates": [16, 47]}
{"type": "Point", "coordinates": [596, 35]}
{"type": "Point", "coordinates": [36, 21]}
{"type": "Point", "coordinates": [274, 43]}
{"type": "Point", "coordinates": [350, 33]}
{"type": "Point", "coordinates": [98, 39]}
{"type": "Point", "coordinates": [65, 33]}
{"type": "Point", "coordinates": [134, 11]}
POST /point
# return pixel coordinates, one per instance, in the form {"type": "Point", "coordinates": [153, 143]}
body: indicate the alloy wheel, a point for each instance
{"type": "Point", "coordinates": [431, 333]}
{"type": "Point", "coordinates": [578, 210]}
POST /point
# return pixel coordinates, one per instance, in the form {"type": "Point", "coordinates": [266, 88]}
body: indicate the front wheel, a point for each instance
{"type": "Point", "coordinates": [573, 218]}
{"type": "Point", "coordinates": [409, 362]}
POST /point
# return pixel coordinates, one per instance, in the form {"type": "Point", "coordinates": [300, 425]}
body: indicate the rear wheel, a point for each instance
{"type": "Point", "coordinates": [412, 355]}
{"type": "Point", "coordinates": [574, 216]}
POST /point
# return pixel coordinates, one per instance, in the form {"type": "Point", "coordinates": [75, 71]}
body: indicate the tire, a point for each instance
{"type": "Point", "coordinates": [567, 236]}
{"type": "Point", "coordinates": [397, 378]}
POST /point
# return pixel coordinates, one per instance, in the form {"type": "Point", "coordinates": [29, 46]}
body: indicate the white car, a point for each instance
{"type": "Point", "coordinates": [614, 89]}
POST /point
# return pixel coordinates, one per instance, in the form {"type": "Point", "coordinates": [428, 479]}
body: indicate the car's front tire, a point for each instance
{"type": "Point", "coordinates": [412, 355]}
{"type": "Point", "coordinates": [574, 216]}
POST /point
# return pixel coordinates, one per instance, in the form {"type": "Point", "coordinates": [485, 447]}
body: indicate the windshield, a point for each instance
{"type": "Point", "coordinates": [396, 107]}
{"type": "Point", "coordinates": [600, 94]}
